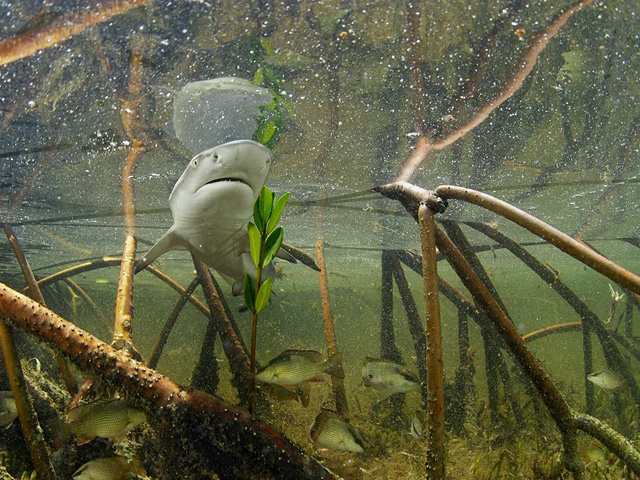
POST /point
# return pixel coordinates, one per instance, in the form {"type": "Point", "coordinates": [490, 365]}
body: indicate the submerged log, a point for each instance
{"type": "Point", "coordinates": [199, 432]}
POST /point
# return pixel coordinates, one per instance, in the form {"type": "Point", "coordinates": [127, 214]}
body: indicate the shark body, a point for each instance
{"type": "Point", "coordinates": [211, 205]}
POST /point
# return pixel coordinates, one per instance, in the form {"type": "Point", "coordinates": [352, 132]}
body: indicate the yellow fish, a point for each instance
{"type": "Point", "coordinates": [112, 468]}
{"type": "Point", "coordinates": [330, 431]}
{"type": "Point", "coordinates": [608, 380]}
{"type": "Point", "coordinates": [293, 367]}
{"type": "Point", "coordinates": [8, 412]}
{"type": "Point", "coordinates": [103, 418]}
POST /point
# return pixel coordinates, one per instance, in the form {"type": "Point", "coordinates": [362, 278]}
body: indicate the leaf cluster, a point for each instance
{"type": "Point", "coordinates": [265, 239]}
{"type": "Point", "coordinates": [273, 117]}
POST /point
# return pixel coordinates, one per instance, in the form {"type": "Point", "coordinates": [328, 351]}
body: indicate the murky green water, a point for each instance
{"type": "Point", "coordinates": [357, 88]}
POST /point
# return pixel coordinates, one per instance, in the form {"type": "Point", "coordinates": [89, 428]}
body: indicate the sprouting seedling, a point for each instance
{"type": "Point", "coordinates": [265, 239]}
{"type": "Point", "coordinates": [615, 299]}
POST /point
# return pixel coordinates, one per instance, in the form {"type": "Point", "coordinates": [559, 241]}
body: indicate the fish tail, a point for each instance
{"type": "Point", "coordinates": [60, 432]}
{"type": "Point", "coordinates": [303, 391]}
{"type": "Point", "coordinates": [333, 366]}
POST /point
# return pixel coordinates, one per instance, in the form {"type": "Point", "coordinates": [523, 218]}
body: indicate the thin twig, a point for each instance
{"type": "Point", "coordinates": [552, 330]}
{"type": "Point", "coordinates": [525, 65]}
{"type": "Point", "coordinates": [77, 289]}
{"type": "Point", "coordinates": [105, 262]}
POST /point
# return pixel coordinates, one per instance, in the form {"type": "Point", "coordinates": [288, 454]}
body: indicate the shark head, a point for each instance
{"type": "Point", "coordinates": [225, 173]}
{"type": "Point", "coordinates": [211, 204]}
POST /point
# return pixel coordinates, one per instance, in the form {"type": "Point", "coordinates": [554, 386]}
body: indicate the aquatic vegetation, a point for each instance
{"type": "Point", "coordinates": [265, 240]}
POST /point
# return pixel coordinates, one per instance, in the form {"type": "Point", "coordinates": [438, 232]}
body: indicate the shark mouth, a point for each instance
{"type": "Point", "coordinates": [227, 179]}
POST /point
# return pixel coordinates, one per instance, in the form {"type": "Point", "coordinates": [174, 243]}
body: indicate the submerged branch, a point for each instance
{"type": "Point", "coordinates": [36, 294]}
{"type": "Point", "coordinates": [566, 419]}
{"type": "Point", "coordinates": [416, 328]}
{"type": "Point", "coordinates": [131, 114]}
{"type": "Point", "coordinates": [62, 28]}
{"type": "Point", "coordinates": [168, 325]}
{"type": "Point", "coordinates": [552, 235]}
{"type": "Point", "coordinates": [328, 323]}
{"type": "Point", "coordinates": [202, 432]}
{"type": "Point", "coordinates": [31, 429]}
{"type": "Point", "coordinates": [105, 262]}
{"type": "Point", "coordinates": [552, 330]}
{"type": "Point", "coordinates": [231, 343]}
{"type": "Point", "coordinates": [611, 439]}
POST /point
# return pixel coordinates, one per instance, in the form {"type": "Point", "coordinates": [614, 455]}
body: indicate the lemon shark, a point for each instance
{"type": "Point", "coordinates": [211, 205]}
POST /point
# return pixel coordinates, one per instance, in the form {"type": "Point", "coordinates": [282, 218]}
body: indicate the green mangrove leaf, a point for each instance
{"type": "Point", "coordinates": [255, 241]}
{"type": "Point", "coordinates": [272, 245]}
{"type": "Point", "coordinates": [265, 132]}
{"type": "Point", "coordinates": [265, 43]}
{"type": "Point", "coordinates": [266, 202]}
{"type": "Point", "coordinates": [276, 212]}
{"type": "Point", "coordinates": [257, 216]}
{"type": "Point", "coordinates": [262, 299]}
{"type": "Point", "coordinates": [258, 77]}
{"type": "Point", "coordinates": [248, 292]}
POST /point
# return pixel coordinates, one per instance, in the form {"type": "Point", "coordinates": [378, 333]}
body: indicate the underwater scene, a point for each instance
{"type": "Point", "coordinates": [319, 239]}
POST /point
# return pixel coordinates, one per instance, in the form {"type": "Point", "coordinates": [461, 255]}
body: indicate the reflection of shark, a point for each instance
{"type": "Point", "coordinates": [212, 203]}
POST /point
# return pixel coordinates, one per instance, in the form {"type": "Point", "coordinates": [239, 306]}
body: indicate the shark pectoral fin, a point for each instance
{"type": "Point", "coordinates": [299, 255]}
{"type": "Point", "coordinates": [169, 241]}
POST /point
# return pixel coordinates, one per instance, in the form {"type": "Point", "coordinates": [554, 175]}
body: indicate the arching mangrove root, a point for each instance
{"type": "Point", "coordinates": [201, 432]}
{"type": "Point", "coordinates": [567, 420]}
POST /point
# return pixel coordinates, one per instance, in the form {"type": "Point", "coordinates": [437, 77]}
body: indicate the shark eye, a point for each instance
{"type": "Point", "coordinates": [194, 162]}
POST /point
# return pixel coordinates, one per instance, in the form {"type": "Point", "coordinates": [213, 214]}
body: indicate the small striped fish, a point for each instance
{"type": "Point", "coordinates": [103, 418]}
{"type": "Point", "coordinates": [330, 431]}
